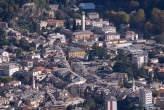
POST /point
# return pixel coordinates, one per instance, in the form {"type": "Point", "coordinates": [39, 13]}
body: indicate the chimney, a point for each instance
{"type": "Point", "coordinates": [83, 21]}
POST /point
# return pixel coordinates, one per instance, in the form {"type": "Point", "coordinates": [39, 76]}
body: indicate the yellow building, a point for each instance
{"type": "Point", "coordinates": [76, 53]}
{"type": "Point", "coordinates": [82, 35]}
{"type": "Point", "coordinates": [56, 23]}
{"type": "Point", "coordinates": [59, 23]}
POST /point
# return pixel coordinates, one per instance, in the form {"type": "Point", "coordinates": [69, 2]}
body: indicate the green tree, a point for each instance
{"type": "Point", "coordinates": [32, 49]}
{"type": "Point", "coordinates": [60, 15]}
{"type": "Point", "coordinates": [19, 52]}
{"type": "Point", "coordinates": [24, 44]}
{"type": "Point", "coordinates": [160, 38]}
{"type": "Point", "coordinates": [158, 19]}
{"type": "Point", "coordinates": [100, 52]}
{"type": "Point", "coordinates": [148, 27]}
{"type": "Point", "coordinates": [138, 19]}
{"type": "Point", "coordinates": [140, 16]}
{"type": "Point", "coordinates": [125, 18]}
{"type": "Point", "coordinates": [3, 40]}
{"type": "Point", "coordinates": [90, 104]}
{"type": "Point", "coordinates": [155, 16]}
{"type": "Point", "coordinates": [134, 4]}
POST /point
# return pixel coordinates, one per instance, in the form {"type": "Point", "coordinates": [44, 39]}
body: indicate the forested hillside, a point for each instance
{"type": "Point", "coordinates": [146, 16]}
{"type": "Point", "coordinates": [9, 8]}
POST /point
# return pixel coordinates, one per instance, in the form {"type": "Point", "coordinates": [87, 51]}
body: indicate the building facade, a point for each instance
{"type": "Point", "coordinates": [8, 69]}
{"type": "Point", "coordinates": [93, 15]}
{"type": "Point", "coordinates": [55, 23]}
{"type": "Point", "coordinates": [111, 104]}
{"type": "Point", "coordinates": [76, 53]}
{"type": "Point", "coordinates": [140, 59]}
{"type": "Point", "coordinates": [130, 35]}
{"type": "Point", "coordinates": [83, 35]}
{"type": "Point", "coordinates": [112, 36]}
{"type": "Point", "coordinates": [145, 98]}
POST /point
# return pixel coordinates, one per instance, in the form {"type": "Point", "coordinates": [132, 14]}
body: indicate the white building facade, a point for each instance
{"type": "Point", "coordinates": [111, 36]}
{"type": "Point", "coordinates": [111, 104]}
{"type": "Point", "coordinates": [93, 15]}
{"type": "Point", "coordinates": [140, 59]}
{"type": "Point", "coordinates": [145, 98]}
{"type": "Point", "coordinates": [109, 29]}
{"type": "Point", "coordinates": [130, 35]}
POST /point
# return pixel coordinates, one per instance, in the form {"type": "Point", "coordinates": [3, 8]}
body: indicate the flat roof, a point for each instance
{"type": "Point", "coordinates": [75, 50]}
{"type": "Point", "coordinates": [82, 32]}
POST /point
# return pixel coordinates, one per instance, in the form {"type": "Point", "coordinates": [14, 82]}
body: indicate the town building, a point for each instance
{"type": "Point", "coordinates": [42, 24]}
{"type": "Point", "coordinates": [160, 103]}
{"type": "Point", "coordinates": [145, 98]}
{"type": "Point", "coordinates": [54, 7]}
{"type": "Point", "coordinates": [82, 35]}
{"type": "Point", "coordinates": [3, 25]}
{"type": "Point", "coordinates": [111, 104]}
{"type": "Point", "coordinates": [8, 69]}
{"type": "Point", "coordinates": [35, 56]}
{"type": "Point", "coordinates": [109, 29]}
{"type": "Point", "coordinates": [99, 44]}
{"type": "Point", "coordinates": [56, 36]}
{"type": "Point", "coordinates": [76, 53]}
{"type": "Point", "coordinates": [93, 15]}
{"type": "Point", "coordinates": [99, 23]}
{"type": "Point", "coordinates": [14, 83]}
{"type": "Point", "coordinates": [78, 22]}
{"type": "Point", "coordinates": [154, 60]}
{"type": "Point", "coordinates": [4, 56]}
{"type": "Point", "coordinates": [55, 23]}
{"type": "Point", "coordinates": [4, 101]}
{"type": "Point", "coordinates": [130, 35]}
{"type": "Point", "coordinates": [111, 36]}
{"type": "Point", "coordinates": [11, 33]}
{"type": "Point", "coordinates": [140, 59]}
{"type": "Point", "coordinates": [33, 97]}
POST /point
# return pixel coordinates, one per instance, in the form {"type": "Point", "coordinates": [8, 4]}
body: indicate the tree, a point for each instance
{"type": "Point", "coordinates": [24, 44]}
{"type": "Point", "coordinates": [134, 4]}
{"type": "Point", "coordinates": [100, 52]}
{"type": "Point", "coordinates": [138, 19]}
{"type": "Point", "coordinates": [117, 17]}
{"type": "Point", "coordinates": [148, 27]}
{"type": "Point", "coordinates": [158, 19]}
{"type": "Point", "coordinates": [125, 18]}
{"type": "Point", "coordinates": [123, 64]}
{"type": "Point", "coordinates": [160, 38]}
{"type": "Point", "coordinates": [60, 15]}
{"type": "Point", "coordinates": [32, 49]}
{"type": "Point", "coordinates": [70, 107]}
{"type": "Point", "coordinates": [140, 16]}
{"type": "Point", "coordinates": [90, 104]}
{"type": "Point", "coordinates": [3, 40]}
{"type": "Point", "coordinates": [155, 15]}
{"type": "Point", "coordinates": [19, 52]}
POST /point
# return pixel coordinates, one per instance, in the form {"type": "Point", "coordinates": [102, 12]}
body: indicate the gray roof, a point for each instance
{"type": "Point", "coordinates": [75, 50]}
{"type": "Point", "coordinates": [82, 32]}
{"type": "Point", "coordinates": [87, 5]}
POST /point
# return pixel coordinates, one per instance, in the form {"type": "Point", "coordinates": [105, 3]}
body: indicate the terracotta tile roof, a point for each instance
{"type": "Point", "coordinates": [147, 67]}
{"type": "Point", "coordinates": [160, 70]}
{"type": "Point", "coordinates": [52, 21]}
{"type": "Point", "coordinates": [40, 68]}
